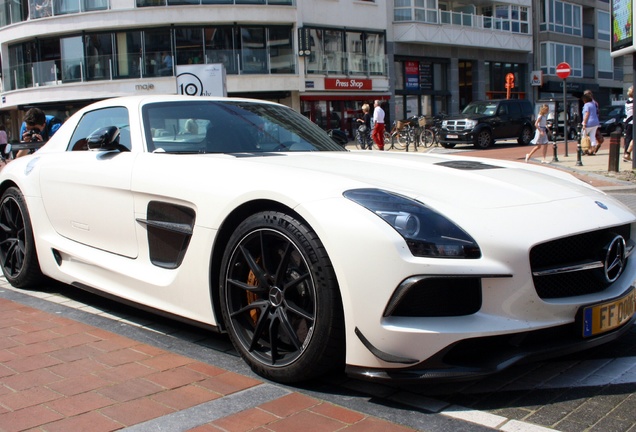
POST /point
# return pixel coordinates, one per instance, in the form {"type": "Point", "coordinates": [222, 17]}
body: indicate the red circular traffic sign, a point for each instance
{"type": "Point", "coordinates": [563, 70]}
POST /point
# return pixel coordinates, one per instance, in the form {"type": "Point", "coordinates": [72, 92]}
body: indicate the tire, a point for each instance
{"type": "Point", "coordinates": [526, 135]}
{"type": "Point", "coordinates": [397, 142]}
{"type": "Point", "coordinates": [427, 138]}
{"type": "Point", "coordinates": [483, 140]}
{"type": "Point", "coordinates": [572, 134]}
{"type": "Point", "coordinates": [619, 129]}
{"type": "Point", "coordinates": [280, 299]}
{"type": "Point", "coordinates": [401, 138]}
{"type": "Point", "coordinates": [18, 256]}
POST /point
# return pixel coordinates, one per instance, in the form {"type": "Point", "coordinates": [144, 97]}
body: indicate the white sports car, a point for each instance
{"type": "Point", "coordinates": [243, 216]}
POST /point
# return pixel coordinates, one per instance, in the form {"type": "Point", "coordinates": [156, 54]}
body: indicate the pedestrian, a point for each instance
{"type": "Point", "coordinates": [37, 127]}
{"type": "Point", "coordinates": [590, 121]}
{"type": "Point", "coordinates": [364, 128]}
{"type": "Point", "coordinates": [4, 140]}
{"type": "Point", "coordinates": [378, 125]}
{"type": "Point", "coordinates": [629, 123]}
{"type": "Point", "coordinates": [541, 134]}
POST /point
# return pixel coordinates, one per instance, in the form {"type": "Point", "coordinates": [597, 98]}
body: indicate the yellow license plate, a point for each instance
{"type": "Point", "coordinates": [601, 318]}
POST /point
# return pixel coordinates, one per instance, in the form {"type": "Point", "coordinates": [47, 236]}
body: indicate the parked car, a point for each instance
{"type": "Point", "coordinates": [481, 123]}
{"type": "Point", "coordinates": [611, 118]}
{"type": "Point", "coordinates": [312, 257]}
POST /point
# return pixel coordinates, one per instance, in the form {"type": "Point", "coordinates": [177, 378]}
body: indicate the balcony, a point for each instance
{"type": "Point", "coordinates": [114, 67]}
{"type": "Point", "coordinates": [346, 63]}
{"type": "Point", "coordinates": [462, 29]}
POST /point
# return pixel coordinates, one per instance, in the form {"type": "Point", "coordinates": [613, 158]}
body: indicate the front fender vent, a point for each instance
{"type": "Point", "coordinates": [169, 228]}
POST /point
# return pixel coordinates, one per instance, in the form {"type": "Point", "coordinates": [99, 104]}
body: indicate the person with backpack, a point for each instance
{"type": "Point", "coordinates": [37, 127]}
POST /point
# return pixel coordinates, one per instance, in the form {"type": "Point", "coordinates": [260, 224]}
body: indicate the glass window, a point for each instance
{"type": "Point", "coordinates": [282, 56]}
{"type": "Point", "coordinates": [61, 7]}
{"type": "Point", "coordinates": [562, 17]}
{"type": "Point", "coordinates": [129, 54]}
{"type": "Point", "coordinates": [99, 50]}
{"type": "Point", "coordinates": [355, 52]}
{"type": "Point", "coordinates": [334, 51]}
{"type": "Point", "coordinates": [376, 53]}
{"type": "Point", "coordinates": [253, 54]}
{"type": "Point", "coordinates": [93, 120]}
{"type": "Point", "coordinates": [157, 52]}
{"type": "Point", "coordinates": [189, 44]}
{"type": "Point", "coordinates": [554, 53]}
{"type": "Point", "coordinates": [604, 60]}
{"type": "Point", "coordinates": [603, 25]}
{"type": "Point", "coordinates": [219, 47]}
{"type": "Point", "coordinates": [91, 5]}
{"type": "Point", "coordinates": [72, 50]}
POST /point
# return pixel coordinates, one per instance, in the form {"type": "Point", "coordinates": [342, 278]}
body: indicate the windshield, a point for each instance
{"type": "Point", "coordinates": [484, 108]}
{"type": "Point", "coordinates": [230, 127]}
{"type": "Point", "coordinates": [610, 111]}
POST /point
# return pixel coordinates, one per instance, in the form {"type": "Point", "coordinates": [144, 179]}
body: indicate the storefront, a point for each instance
{"type": "Point", "coordinates": [335, 103]}
{"type": "Point", "coordinates": [421, 87]}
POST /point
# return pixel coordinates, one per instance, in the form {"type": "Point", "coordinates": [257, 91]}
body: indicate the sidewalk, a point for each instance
{"type": "Point", "coordinates": [592, 169]}
{"type": "Point", "coordinates": [61, 374]}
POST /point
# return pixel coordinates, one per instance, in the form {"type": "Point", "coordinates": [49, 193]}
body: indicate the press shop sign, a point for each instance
{"type": "Point", "coordinates": [348, 84]}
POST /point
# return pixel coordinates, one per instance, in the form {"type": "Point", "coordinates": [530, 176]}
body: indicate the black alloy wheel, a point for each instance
{"type": "Point", "coordinates": [526, 135]}
{"type": "Point", "coordinates": [18, 256]}
{"type": "Point", "coordinates": [280, 300]}
{"type": "Point", "coordinates": [483, 139]}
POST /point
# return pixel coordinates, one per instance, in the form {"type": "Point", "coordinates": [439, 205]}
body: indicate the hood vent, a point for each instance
{"type": "Point", "coordinates": [467, 165]}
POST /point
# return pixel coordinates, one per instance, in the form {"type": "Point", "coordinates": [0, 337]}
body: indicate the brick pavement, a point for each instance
{"type": "Point", "coordinates": [58, 374]}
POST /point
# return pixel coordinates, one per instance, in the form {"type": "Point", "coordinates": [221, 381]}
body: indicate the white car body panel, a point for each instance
{"type": "Point", "coordinates": [86, 206]}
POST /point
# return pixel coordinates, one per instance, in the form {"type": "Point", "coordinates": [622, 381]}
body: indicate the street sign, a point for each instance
{"type": "Point", "coordinates": [563, 70]}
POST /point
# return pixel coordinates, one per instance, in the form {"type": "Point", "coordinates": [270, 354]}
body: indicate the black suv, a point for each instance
{"type": "Point", "coordinates": [483, 122]}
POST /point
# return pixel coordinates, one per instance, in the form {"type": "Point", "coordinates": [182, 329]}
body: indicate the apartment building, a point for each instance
{"type": "Point", "coordinates": [579, 33]}
{"type": "Point", "coordinates": [324, 58]}
{"type": "Point", "coordinates": [60, 55]}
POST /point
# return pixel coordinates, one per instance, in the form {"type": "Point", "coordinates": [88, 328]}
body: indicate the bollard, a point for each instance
{"type": "Point", "coordinates": [555, 157]}
{"type": "Point", "coordinates": [614, 151]}
{"type": "Point", "coordinates": [579, 152]}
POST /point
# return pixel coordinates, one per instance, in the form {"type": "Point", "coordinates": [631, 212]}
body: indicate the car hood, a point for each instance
{"type": "Point", "coordinates": [456, 180]}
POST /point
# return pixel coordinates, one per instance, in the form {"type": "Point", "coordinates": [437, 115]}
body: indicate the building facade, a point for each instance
{"type": "Point", "coordinates": [578, 33]}
{"type": "Point", "coordinates": [446, 54]}
{"type": "Point", "coordinates": [60, 55]}
{"type": "Point", "coordinates": [324, 58]}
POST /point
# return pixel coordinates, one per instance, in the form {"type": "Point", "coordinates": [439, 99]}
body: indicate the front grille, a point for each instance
{"type": "Point", "coordinates": [456, 125]}
{"type": "Point", "coordinates": [574, 252]}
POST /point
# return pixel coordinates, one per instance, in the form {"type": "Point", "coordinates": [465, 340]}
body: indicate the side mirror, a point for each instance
{"type": "Point", "coordinates": [106, 138]}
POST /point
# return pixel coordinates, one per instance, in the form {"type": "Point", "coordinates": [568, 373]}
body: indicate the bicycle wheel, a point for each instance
{"type": "Point", "coordinates": [427, 138]}
{"type": "Point", "coordinates": [401, 137]}
{"type": "Point", "coordinates": [396, 141]}
{"type": "Point", "coordinates": [387, 140]}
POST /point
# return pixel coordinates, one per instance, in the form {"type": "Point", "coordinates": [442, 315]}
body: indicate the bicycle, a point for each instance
{"type": "Point", "coordinates": [430, 135]}
{"type": "Point", "coordinates": [391, 139]}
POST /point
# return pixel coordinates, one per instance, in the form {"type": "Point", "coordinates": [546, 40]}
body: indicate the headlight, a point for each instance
{"type": "Point", "coordinates": [470, 124]}
{"type": "Point", "coordinates": [444, 123]}
{"type": "Point", "coordinates": [426, 232]}
{"type": "Point", "coordinates": [610, 121]}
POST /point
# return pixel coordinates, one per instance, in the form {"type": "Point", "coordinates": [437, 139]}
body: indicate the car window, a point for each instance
{"type": "Point", "coordinates": [514, 109]}
{"type": "Point", "coordinates": [230, 127]}
{"type": "Point", "coordinates": [503, 109]}
{"type": "Point", "coordinates": [97, 119]}
{"type": "Point", "coordinates": [485, 108]}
